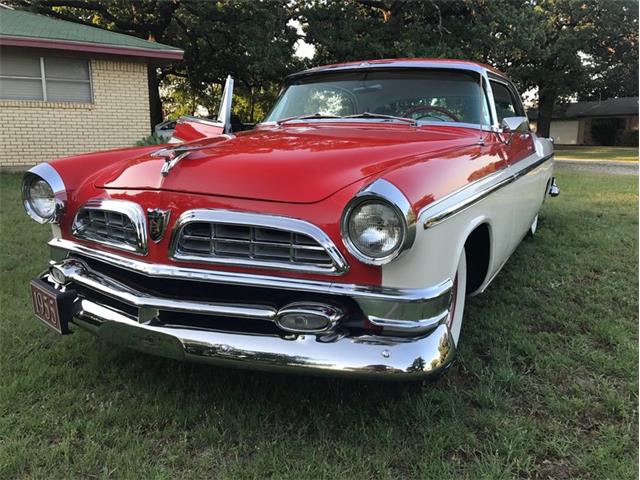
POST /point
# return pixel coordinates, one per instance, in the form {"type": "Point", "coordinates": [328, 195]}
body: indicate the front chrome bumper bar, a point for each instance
{"type": "Point", "coordinates": [405, 311]}
{"type": "Point", "coordinates": [366, 356]}
{"type": "Point", "coordinates": [332, 353]}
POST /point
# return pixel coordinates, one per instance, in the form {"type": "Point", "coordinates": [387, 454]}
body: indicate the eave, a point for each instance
{"type": "Point", "coordinates": [107, 49]}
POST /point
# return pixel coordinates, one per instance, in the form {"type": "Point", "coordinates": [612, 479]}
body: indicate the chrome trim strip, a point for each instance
{"type": "Point", "coordinates": [365, 356]}
{"type": "Point", "coordinates": [412, 326]}
{"type": "Point", "coordinates": [387, 192]}
{"type": "Point", "coordinates": [288, 224]}
{"type": "Point", "coordinates": [409, 303]}
{"type": "Point", "coordinates": [407, 65]}
{"type": "Point", "coordinates": [434, 213]}
{"type": "Point", "coordinates": [419, 123]}
{"type": "Point", "coordinates": [53, 178]}
{"type": "Point", "coordinates": [78, 272]}
{"type": "Point", "coordinates": [123, 207]}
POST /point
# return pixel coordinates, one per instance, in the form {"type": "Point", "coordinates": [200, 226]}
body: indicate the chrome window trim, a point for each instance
{"type": "Point", "coordinates": [339, 267]}
{"type": "Point", "coordinates": [387, 192]}
{"type": "Point", "coordinates": [378, 121]}
{"type": "Point", "coordinates": [53, 178]}
{"type": "Point", "coordinates": [435, 213]}
{"type": "Point", "coordinates": [124, 207]}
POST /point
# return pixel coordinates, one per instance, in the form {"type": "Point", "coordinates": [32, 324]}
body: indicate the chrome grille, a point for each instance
{"type": "Point", "coordinates": [116, 223]}
{"type": "Point", "coordinates": [290, 244]}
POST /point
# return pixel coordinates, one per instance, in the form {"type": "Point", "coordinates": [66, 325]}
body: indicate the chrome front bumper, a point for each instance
{"type": "Point", "coordinates": [396, 353]}
{"type": "Point", "coordinates": [377, 357]}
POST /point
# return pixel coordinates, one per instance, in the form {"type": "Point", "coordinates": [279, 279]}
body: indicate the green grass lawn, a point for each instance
{"type": "Point", "coordinates": [618, 154]}
{"type": "Point", "coordinates": [546, 385]}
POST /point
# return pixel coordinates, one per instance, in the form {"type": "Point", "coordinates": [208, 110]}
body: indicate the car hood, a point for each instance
{"type": "Point", "coordinates": [301, 164]}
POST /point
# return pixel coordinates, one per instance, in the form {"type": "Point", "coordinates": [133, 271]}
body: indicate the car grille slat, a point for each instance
{"type": "Point", "coordinates": [111, 222]}
{"type": "Point", "coordinates": [257, 245]}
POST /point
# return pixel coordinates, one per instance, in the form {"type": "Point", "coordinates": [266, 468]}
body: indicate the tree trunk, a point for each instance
{"type": "Point", "coordinates": [155, 104]}
{"type": "Point", "coordinates": [547, 99]}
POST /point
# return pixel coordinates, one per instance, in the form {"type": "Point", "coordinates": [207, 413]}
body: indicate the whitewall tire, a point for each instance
{"type": "Point", "coordinates": [534, 226]}
{"type": "Point", "coordinates": [458, 296]}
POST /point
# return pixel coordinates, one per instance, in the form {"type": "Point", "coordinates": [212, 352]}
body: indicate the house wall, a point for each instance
{"type": "Point", "coordinates": [118, 116]}
{"type": "Point", "coordinates": [565, 132]}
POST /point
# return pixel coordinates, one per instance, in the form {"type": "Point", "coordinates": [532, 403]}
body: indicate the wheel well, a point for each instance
{"type": "Point", "coordinates": [478, 252]}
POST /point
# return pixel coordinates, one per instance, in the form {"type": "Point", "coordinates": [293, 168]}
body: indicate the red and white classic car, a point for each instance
{"type": "Point", "coordinates": [340, 236]}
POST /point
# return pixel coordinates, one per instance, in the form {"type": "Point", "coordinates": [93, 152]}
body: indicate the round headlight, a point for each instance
{"type": "Point", "coordinates": [44, 194]}
{"type": "Point", "coordinates": [41, 198]}
{"type": "Point", "coordinates": [375, 229]}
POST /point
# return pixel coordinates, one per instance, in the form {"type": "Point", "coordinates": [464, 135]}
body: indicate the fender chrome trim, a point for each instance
{"type": "Point", "coordinates": [470, 194]}
{"type": "Point", "coordinates": [387, 192]}
{"type": "Point", "coordinates": [50, 175]}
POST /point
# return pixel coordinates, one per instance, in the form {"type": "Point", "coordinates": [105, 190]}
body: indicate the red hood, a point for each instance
{"type": "Point", "coordinates": [301, 164]}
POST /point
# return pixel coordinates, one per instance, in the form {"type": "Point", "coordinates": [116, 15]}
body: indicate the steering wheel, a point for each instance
{"type": "Point", "coordinates": [429, 108]}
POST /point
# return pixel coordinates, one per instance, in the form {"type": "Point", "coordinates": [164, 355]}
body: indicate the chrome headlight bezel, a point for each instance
{"type": "Point", "coordinates": [382, 192]}
{"type": "Point", "coordinates": [48, 174]}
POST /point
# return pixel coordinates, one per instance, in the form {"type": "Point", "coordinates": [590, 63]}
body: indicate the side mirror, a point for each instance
{"type": "Point", "coordinates": [515, 125]}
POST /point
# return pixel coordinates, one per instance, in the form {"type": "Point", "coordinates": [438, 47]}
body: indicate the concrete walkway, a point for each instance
{"type": "Point", "coordinates": [603, 166]}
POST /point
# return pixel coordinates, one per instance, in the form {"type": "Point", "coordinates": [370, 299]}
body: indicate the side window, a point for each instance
{"type": "Point", "coordinates": [506, 106]}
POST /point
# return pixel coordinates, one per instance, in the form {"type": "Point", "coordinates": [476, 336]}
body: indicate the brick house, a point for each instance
{"type": "Point", "coordinates": [67, 88]}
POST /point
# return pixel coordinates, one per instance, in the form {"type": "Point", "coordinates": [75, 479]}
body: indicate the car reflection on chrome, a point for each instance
{"type": "Point", "coordinates": [340, 236]}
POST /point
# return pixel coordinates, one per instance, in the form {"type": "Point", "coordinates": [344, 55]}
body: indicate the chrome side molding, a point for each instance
{"type": "Point", "coordinates": [472, 193]}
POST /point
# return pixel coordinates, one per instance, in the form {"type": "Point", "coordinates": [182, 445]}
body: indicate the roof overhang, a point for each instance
{"type": "Point", "coordinates": [54, 44]}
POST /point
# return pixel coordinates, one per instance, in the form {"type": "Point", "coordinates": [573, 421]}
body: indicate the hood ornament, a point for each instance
{"type": "Point", "coordinates": [158, 221]}
{"type": "Point", "coordinates": [172, 156]}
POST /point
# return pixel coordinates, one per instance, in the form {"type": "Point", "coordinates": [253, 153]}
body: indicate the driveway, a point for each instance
{"type": "Point", "coordinates": [600, 166]}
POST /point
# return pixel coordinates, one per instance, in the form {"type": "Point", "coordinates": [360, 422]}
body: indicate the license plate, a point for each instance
{"type": "Point", "coordinates": [51, 306]}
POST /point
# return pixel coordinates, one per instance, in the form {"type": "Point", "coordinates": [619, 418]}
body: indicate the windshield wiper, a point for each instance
{"type": "Point", "coordinates": [380, 115]}
{"type": "Point", "coordinates": [306, 116]}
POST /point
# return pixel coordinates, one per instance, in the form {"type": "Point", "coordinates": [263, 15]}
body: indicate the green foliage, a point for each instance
{"type": "Point", "coordinates": [546, 385]}
{"type": "Point", "coordinates": [252, 41]}
{"type": "Point", "coordinates": [152, 139]}
{"type": "Point", "coordinates": [560, 47]}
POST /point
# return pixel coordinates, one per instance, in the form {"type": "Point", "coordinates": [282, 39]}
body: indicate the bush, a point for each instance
{"type": "Point", "coordinates": [152, 139]}
{"type": "Point", "coordinates": [627, 138]}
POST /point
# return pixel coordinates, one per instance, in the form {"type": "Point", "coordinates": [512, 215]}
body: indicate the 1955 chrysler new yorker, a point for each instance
{"type": "Point", "coordinates": [340, 236]}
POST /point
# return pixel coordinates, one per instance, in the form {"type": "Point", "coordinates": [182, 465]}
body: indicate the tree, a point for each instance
{"type": "Point", "coordinates": [253, 41]}
{"type": "Point", "coordinates": [559, 47]}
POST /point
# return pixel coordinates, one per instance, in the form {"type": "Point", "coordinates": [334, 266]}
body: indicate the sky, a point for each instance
{"type": "Point", "coordinates": [302, 48]}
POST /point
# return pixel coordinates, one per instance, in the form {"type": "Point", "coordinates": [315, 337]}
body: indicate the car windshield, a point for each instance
{"type": "Point", "coordinates": [421, 95]}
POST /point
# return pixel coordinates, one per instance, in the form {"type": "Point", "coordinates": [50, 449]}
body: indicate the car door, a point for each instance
{"type": "Point", "coordinates": [519, 150]}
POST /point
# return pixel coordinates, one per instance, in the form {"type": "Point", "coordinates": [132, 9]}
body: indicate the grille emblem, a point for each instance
{"type": "Point", "coordinates": [158, 221]}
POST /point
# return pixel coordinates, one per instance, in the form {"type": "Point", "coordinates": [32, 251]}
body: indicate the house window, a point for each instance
{"type": "Point", "coordinates": [49, 79]}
